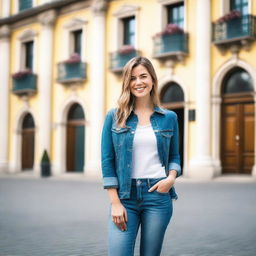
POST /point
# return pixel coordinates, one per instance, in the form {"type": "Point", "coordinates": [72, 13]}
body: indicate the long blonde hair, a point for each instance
{"type": "Point", "coordinates": [126, 99]}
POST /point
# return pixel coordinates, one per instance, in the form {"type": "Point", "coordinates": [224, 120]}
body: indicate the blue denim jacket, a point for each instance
{"type": "Point", "coordinates": [117, 144]}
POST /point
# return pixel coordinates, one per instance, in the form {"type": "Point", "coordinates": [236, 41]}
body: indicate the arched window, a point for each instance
{"type": "Point", "coordinates": [237, 81]}
{"type": "Point", "coordinates": [75, 139]}
{"type": "Point", "coordinates": [171, 93]}
{"type": "Point", "coordinates": [27, 142]}
{"type": "Point", "coordinates": [28, 122]}
{"type": "Point", "coordinates": [76, 112]}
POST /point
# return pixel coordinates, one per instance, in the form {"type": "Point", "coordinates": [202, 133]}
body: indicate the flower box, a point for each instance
{"type": "Point", "coordinates": [170, 29]}
{"type": "Point", "coordinates": [24, 82]}
{"type": "Point", "coordinates": [74, 58]}
{"type": "Point", "coordinates": [119, 58]}
{"type": "Point", "coordinates": [228, 16]}
{"type": "Point", "coordinates": [71, 70]}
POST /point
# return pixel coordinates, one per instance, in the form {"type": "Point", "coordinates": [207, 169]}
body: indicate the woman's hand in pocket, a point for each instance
{"type": "Point", "coordinates": [164, 185]}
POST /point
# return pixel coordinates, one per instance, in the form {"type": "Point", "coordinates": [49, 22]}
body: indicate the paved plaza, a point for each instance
{"type": "Point", "coordinates": [60, 217]}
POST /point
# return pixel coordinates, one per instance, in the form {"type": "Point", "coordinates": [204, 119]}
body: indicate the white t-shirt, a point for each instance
{"type": "Point", "coordinates": [145, 159]}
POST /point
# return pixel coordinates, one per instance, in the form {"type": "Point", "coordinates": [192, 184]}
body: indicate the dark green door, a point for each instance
{"type": "Point", "coordinates": [79, 148]}
{"type": "Point", "coordinates": [75, 139]}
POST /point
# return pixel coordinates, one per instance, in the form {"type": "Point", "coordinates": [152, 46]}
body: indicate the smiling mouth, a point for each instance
{"type": "Point", "coordinates": [140, 88]}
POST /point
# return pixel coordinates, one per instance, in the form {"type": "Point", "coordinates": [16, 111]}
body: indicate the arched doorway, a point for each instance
{"type": "Point", "coordinates": [28, 142]}
{"type": "Point", "coordinates": [237, 123]}
{"type": "Point", "coordinates": [75, 139]}
{"type": "Point", "coordinates": [172, 97]}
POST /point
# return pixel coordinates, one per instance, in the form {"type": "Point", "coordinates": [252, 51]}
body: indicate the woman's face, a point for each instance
{"type": "Point", "coordinates": [141, 82]}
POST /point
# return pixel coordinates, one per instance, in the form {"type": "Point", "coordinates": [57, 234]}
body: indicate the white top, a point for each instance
{"type": "Point", "coordinates": [145, 159]}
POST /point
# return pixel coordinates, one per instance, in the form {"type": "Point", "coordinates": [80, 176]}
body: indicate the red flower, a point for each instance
{"type": "Point", "coordinates": [229, 16]}
{"type": "Point", "coordinates": [22, 73]}
{"type": "Point", "coordinates": [126, 49]}
{"type": "Point", "coordinates": [74, 58]}
{"type": "Point", "coordinates": [169, 30]}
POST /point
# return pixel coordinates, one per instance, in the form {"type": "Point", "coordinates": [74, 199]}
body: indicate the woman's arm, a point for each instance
{"type": "Point", "coordinates": [108, 154]}
{"type": "Point", "coordinates": [118, 212]}
{"type": "Point", "coordinates": [174, 155]}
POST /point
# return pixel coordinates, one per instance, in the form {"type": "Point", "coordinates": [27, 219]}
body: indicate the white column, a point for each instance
{"type": "Point", "coordinates": [97, 85]}
{"type": "Point", "coordinates": [4, 95]}
{"type": "Point", "coordinates": [202, 165]}
{"type": "Point", "coordinates": [59, 165]}
{"type": "Point", "coordinates": [6, 5]}
{"type": "Point", "coordinates": [45, 79]}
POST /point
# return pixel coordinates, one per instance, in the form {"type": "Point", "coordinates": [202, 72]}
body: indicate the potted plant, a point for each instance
{"type": "Point", "coordinates": [228, 16]}
{"type": "Point", "coordinates": [21, 74]}
{"type": "Point", "coordinates": [73, 59]}
{"type": "Point", "coordinates": [169, 30]}
{"type": "Point", "coordinates": [45, 165]}
{"type": "Point", "coordinates": [126, 49]}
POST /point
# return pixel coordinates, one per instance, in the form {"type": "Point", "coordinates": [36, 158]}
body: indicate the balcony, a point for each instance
{"type": "Point", "coordinates": [24, 84]}
{"type": "Point", "coordinates": [120, 58]}
{"type": "Point", "coordinates": [170, 45]}
{"type": "Point", "coordinates": [239, 30]}
{"type": "Point", "coordinates": [71, 72]}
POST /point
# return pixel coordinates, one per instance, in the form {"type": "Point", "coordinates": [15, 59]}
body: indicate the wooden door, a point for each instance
{"type": "Point", "coordinates": [75, 146]}
{"type": "Point", "coordinates": [237, 140]}
{"type": "Point", "coordinates": [28, 140]}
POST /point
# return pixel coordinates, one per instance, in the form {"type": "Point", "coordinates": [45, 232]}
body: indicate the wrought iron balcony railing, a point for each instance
{"type": "Point", "coordinates": [118, 60]}
{"type": "Point", "coordinates": [25, 85]}
{"type": "Point", "coordinates": [71, 72]}
{"type": "Point", "coordinates": [170, 45]}
{"type": "Point", "coordinates": [235, 29]}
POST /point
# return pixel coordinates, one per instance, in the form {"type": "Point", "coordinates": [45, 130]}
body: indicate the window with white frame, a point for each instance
{"type": "Point", "coordinates": [128, 24]}
{"type": "Point", "coordinates": [74, 37]}
{"type": "Point", "coordinates": [25, 58]}
{"type": "Point", "coordinates": [175, 14]}
{"type": "Point", "coordinates": [239, 5]}
{"type": "Point", "coordinates": [28, 55]}
{"type": "Point", "coordinates": [76, 41]}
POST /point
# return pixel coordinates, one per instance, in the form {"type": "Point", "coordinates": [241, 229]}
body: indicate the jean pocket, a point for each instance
{"type": "Point", "coordinates": [160, 193]}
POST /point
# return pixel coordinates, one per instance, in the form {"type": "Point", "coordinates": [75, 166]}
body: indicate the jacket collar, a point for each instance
{"type": "Point", "coordinates": [159, 110]}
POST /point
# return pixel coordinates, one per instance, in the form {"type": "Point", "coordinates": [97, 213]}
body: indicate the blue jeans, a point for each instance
{"type": "Point", "coordinates": [150, 210]}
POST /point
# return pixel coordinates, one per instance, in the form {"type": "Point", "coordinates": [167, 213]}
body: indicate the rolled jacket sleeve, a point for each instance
{"type": "Point", "coordinates": [174, 156]}
{"type": "Point", "coordinates": [108, 154]}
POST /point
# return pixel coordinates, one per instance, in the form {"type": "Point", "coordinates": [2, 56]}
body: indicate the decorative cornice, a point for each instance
{"type": "Point", "coordinates": [33, 12]}
{"type": "Point", "coordinates": [47, 18]}
{"type": "Point", "coordinates": [99, 6]}
{"type": "Point", "coordinates": [27, 35]}
{"type": "Point", "coordinates": [165, 2]}
{"type": "Point", "coordinates": [75, 23]}
{"type": "Point", "coordinates": [126, 10]}
{"type": "Point", "coordinates": [5, 32]}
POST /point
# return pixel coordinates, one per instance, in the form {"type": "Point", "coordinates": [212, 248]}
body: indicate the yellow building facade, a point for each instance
{"type": "Point", "coordinates": [60, 72]}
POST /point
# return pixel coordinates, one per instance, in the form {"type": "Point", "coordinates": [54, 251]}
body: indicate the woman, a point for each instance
{"type": "Point", "coordinates": [140, 162]}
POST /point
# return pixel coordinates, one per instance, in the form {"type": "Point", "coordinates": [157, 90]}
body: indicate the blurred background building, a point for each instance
{"type": "Point", "coordinates": [60, 72]}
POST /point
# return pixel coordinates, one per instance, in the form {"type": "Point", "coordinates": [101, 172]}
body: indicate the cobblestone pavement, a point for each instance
{"type": "Point", "coordinates": [48, 217]}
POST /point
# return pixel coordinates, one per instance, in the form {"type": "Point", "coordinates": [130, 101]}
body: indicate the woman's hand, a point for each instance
{"type": "Point", "coordinates": [164, 185]}
{"type": "Point", "coordinates": [119, 215]}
